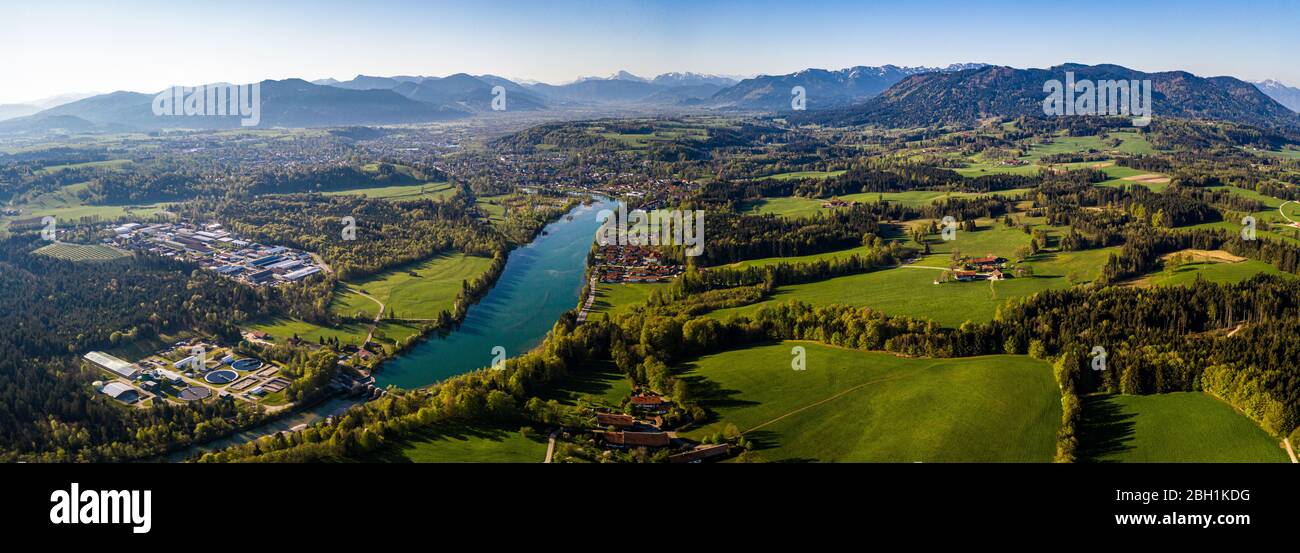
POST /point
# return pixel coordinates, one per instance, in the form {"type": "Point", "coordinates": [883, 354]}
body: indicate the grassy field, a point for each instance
{"type": "Point", "coordinates": [82, 252]}
{"type": "Point", "coordinates": [68, 206]}
{"type": "Point", "coordinates": [496, 212]}
{"type": "Point", "coordinates": [1264, 218]}
{"type": "Point", "coordinates": [464, 444]}
{"type": "Point", "coordinates": [800, 259]}
{"type": "Point", "coordinates": [793, 207]}
{"type": "Point", "coordinates": [283, 328]}
{"type": "Point", "coordinates": [106, 164]}
{"type": "Point", "coordinates": [1213, 272]}
{"type": "Point", "coordinates": [599, 383]}
{"type": "Point", "coordinates": [1288, 154]}
{"type": "Point", "coordinates": [412, 297]}
{"type": "Point", "coordinates": [428, 190]}
{"type": "Point", "coordinates": [910, 290]}
{"type": "Point", "coordinates": [977, 168]}
{"type": "Point", "coordinates": [1131, 143]}
{"type": "Point", "coordinates": [616, 298]}
{"type": "Point", "coordinates": [661, 133]}
{"type": "Point", "coordinates": [1177, 427]}
{"type": "Point", "coordinates": [804, 175]}
{"type": "Point", "coordinates": [869, 406]}
{"type": "Point", "coordinates": [799, 207]}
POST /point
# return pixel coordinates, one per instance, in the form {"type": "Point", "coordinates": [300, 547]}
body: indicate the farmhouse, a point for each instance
{"type": "Point", "coordinates": [635, 439]}
{"type": "Point", "coordinates": [648, 402]}
{"type": "Point", "coordinates": [700, 453]}
{"type": "Point", "coordinates": [616, 420]}
{"type": "Point", "coordinates": [836, 202]}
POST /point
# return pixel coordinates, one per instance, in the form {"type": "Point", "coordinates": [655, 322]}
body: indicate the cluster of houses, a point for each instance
{"type": "Point", "coordinates": [644, 429]}
{"type": "Point", "coordinates": [218, 250]}
{"type": "Point", "coordinates": [633, 264]}
{"type": "Point", "coordinates": [836, 202]}
{"type": "Point", "coordinates": [989, 267]}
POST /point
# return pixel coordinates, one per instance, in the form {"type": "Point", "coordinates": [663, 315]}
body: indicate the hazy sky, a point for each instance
{"type": "Point", "coordinates": [50, 47]}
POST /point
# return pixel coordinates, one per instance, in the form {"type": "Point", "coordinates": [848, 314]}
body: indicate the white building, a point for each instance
{"type": "Point", "coordinates": [121, 392]}
{"type": "Point", "coordinates": [117, 366]}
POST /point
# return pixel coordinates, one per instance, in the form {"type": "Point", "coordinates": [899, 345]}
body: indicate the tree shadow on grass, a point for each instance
{"type": "Point", "coordinates": [591, 381]}
{"type": "Point", "coordinates": [1105, 430]}
{"type": "Point", "coordinates": [393, 450]}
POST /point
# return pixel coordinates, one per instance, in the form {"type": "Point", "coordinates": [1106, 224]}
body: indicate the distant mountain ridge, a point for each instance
{"type": "Point", "coordinates": [10, 111]}
{"type": "Point", "coordinates": [886, 95]}
{"type": "Point", "coordinates": [968, 96]}
{"type": "Point", "coordinates": [823, 88]}
{"type": "Point", "coordinates": [1286, 95]}
{"type": "Point", "coordinates": [285, 103]}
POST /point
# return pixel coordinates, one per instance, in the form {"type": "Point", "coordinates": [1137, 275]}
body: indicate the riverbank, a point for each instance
{"type": "Point", "coordinates": [540, 282]}
{"type": "Point", "coordinates": [555, 236]}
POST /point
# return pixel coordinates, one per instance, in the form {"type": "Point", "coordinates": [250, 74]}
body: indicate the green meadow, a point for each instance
{"type": "Point", "coordinates": [106, 164]}
{"type": "Point", "coordinates": [855, 406]}
{"type": "Point", "coordinates": [797, 207]}
{"type": "Point", "coordinates": [284, 328]}
{"type": "Point", "coordinates": [416, 291]}
{"type": "Point", "coordinates": [67, 204]}
{"type": "Point", "coordinates": [1130, 143]}
{"type": "Point", "coordinates": [615, 298]}
{"type": "Point", "coordinates": [423, 191]}
{"type": "Point", "coordinates": [1189, 273]}
{"type": "Point", "coordinates": [1269, 221]}
{"type": "Point", "coordinates": [1176, 427]}
{"type": "Point", "coordinates": [804, 175]}
{"type": "Point", "coordinates": [463, 444]}
{"type": "Point", "coordinates": [910, 290]}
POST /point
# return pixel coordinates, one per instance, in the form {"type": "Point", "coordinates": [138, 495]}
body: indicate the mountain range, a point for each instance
{"type": "Point", "coordinates": [822, 88]}
{"type": "Point", "coordinates": [10, 111]}
{"type": "Point", "coordinates": [1288, 96]}
{"type": "Point", "coordinates": [887, 95]}
{"type": "Point", "coordinates": [971, 95]}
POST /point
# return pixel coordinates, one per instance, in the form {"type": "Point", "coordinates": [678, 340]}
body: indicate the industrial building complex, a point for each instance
{"type": "Point", "coordinates": [218, 250]}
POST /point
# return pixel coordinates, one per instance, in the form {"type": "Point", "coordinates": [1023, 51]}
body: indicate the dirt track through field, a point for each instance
{"type": "Point", "coordinates": [833, 397]}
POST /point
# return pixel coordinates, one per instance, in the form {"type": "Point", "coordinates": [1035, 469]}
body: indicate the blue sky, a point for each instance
{"type": "Point", "coordinates": [56, 47]}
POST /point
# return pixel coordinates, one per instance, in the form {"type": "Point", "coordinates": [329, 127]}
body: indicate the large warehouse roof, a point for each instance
{"type": "Point", "coordinates": [120, 391]}
{"type": "Point", "coordinates": [118, 366]}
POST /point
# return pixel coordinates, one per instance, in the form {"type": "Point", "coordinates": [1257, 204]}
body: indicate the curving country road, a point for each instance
{"type": "Point", "coordinates": [370, 333]}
